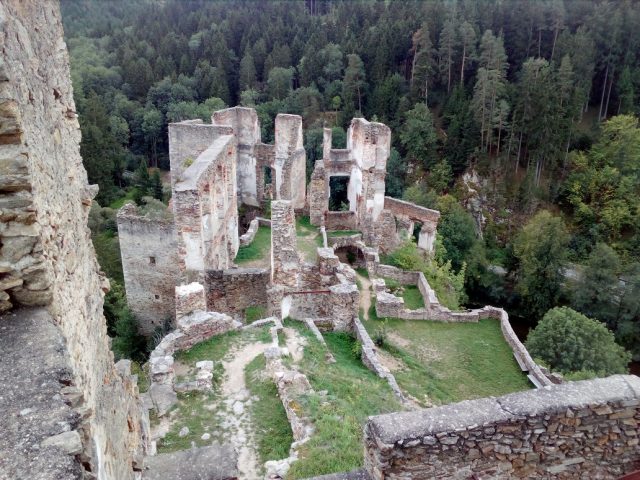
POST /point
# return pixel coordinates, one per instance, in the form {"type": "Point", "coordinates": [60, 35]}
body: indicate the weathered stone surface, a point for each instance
{"type": "Point", "coordinates": [163, 397]}
{"type": "Point", "coordinates": [45, 195]}
{"type": "Point", "coordinates": [215, 462]}
{"type": "Point", "coordinates": [35, 365]}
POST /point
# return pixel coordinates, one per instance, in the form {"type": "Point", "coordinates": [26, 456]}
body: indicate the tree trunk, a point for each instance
{"type": "Point", "coordinates": [464, 53]}
{"type": "Point", "coordinates": [604, 87]}
{"type": "Point", "coordinates": [553, 48]}
{"type": "Point", "coordinates": [612, 77]}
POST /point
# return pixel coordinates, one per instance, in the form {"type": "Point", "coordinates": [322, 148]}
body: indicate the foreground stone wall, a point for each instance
{"type": "Point", "coordinates": [150, 265]}
{"type": "Point", "coordinates": [40, 142]}
{"type": "Point", "coordinates": [576, 430]}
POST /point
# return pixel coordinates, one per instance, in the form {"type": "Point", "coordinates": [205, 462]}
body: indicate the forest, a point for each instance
{"type": "Point", "coordinates": [518, 120]}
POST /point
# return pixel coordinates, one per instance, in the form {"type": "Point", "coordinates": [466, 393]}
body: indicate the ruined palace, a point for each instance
{"type": "Point", "coordinates": [70, 412]}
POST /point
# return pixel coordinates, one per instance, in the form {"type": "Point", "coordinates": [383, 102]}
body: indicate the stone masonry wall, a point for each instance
{"type": "Point", "coordinates": [205, 209]}
{"type": "Point", "coordinates": [285, 261]}
{"type": "Point", "coordinates": [150, 265]}
{"type": "Point", "coordinates": [576, 430]}
{"type": "Point", "coordinates": [39, 143]}
{"type": "Point", "coordinates": [233, 291]}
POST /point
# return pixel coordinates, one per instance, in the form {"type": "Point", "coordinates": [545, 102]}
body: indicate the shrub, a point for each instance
{"type": "Point", "coordinates": [570, 342]}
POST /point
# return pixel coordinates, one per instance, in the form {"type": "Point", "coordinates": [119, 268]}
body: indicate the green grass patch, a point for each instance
{"type": "Point", "coordinates": [450, 362]}
{"type": "Point", "coordinates": [391, 284]}
{"type": "Point", "coordinates": [272, 431]}
{"type": "Point", "coordinates": [343, 233]}
{"type": "Point", "coordinates": [193, 414]}
{"type": "Point", "coordinates": [119, 202]}
{"type": "Point", "coordinates": [412, 297]}
{"type": "Point", "coordinates": [253, 313]}
{"type": "Point", "coordinates": [213, 349]}
{"type": "Point", "coordinates": [362, 271]}
{"type": "Point", "coordinates": [259, 249]}
{"type": "Point", "coordinates": [354, 393]}
{"type": "Point", "coordinates": [308, 239]}
{"type": "Point", "coordinates": [304, 227]}
{"type": "Point", "coordinates": [142, 371]}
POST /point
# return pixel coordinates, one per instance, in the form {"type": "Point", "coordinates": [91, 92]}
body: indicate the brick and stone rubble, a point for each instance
{"type": "Point", "coordinates": [47, 258]}
{"type": "Point", "coordinates": [585, 429]}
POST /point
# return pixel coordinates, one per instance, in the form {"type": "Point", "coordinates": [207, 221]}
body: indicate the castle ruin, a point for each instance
{"type": "Point", "coordinates": [69, 412]}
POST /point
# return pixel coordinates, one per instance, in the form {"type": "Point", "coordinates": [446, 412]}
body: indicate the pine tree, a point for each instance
{"type": "Point", "coordinates": [446, 52]}
{"type": "Point", "coordinates": [248, 76]}
{"type": "Point", "coordinates": [353, 85]}
{"type": "Point", "coordinates": [422, 66]}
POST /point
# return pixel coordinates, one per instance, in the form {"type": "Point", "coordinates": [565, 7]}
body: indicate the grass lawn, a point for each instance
{"type": "Point", "coordinates": [270, 424]}
{"type": "Point", "coordinates": [251, 314]}
{"type": "Point", "coordinates": [308, 239]}
{"type": "Point", "coordinates": [117, 204]}
{"type": "Point", "coordinates": [449, 362]}
{"type": "Point", "coordinates": [354, 393]}
{"type": "Point", "coordinates": [256, 251]}
{"type": "Point", "coordinates": [412, 297]}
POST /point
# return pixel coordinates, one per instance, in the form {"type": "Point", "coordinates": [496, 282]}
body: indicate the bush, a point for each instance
{"type": "Point", "coordinates": [380, 334]}
{"type": "Point", "coordinates": [570, 342]}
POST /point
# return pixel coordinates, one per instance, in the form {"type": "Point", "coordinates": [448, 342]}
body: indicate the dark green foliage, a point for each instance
{"type": "Point", "coordinates": [541, 248]}
{"type": "Point", "coordinates": [596, 290]}
{"type": "Point", "coordinates": [122, 326]}
{"type": "Point", "coordinates": [457, 230]}
{"type": "Point", "coordinates": [568, 342]}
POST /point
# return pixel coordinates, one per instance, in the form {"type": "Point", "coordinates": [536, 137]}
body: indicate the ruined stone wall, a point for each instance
{"type": "Point", "coordinates": [585, 429]}
{"type": "Point", "coordinates": [246, 128]}
{"type": "Point", "coordinates": [206, 210]}
{"type": "Point", "coordinates": [150, 265]}
{"type": "Point", "coordinates": [318, 199]}
{"type": "Point", "coordinates": [285, 261]}
{"type": "Point", "coordinates": [233, 291]}
{"type": "Point", "coordinates": [187, 140]}
{"type": "Point", "coordinates": [40, 156]}
{"type": "Point", "coordinates": [290, 160]}
{"type": "Point", "coordinates": [340, 221]}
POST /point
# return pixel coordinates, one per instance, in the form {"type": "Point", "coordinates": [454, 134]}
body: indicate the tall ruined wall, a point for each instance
{"type": "Point", "coordinates": [39, 154]}
{"type": "Point", "coordinates": [246, 128]}
{"type": "Point", "coordinates": [583, 429]}
{"type": "Point", "coordinates": [149, 254]}
{"type": "Point", "coordinates": [206, 210]}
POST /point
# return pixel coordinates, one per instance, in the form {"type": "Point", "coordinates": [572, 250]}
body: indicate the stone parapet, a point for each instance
{"type": "Point", "coordinates": [585, 429]}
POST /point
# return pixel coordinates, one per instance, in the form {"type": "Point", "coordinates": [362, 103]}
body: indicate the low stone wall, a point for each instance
{"type": "Point", "coordinates": [250, 234]}
{"type": "Point", "coordinates": [411, 210]}
{"type": "Point", "coordinates": [340, 220]}
{"type": "Point", "coordinates": [585, 429]}
{"type": "Point", "coordinates": [371, 361]}
{"type": "Point", "coordinates": [403, 277]}
{"type": "Point", "coordinates": [233, 291]}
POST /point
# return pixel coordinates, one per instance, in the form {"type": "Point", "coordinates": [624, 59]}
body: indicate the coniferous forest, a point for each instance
{"type": "Point", "coordinates": [518, 120]}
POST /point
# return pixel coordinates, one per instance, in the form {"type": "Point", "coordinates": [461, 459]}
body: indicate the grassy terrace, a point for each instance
{"type": "Point", "coordinates": [199, 410]}
{"type": "Point", "coordinates": [440, 363]}
{"type": "Point", "coordinates": [308, 239]}
{"type": "Point", "coordinates": [353, 393]}
{"type": "Point", "coordinates": [270, 424]}
{"type": "Point", "coordinates": [257, 253]}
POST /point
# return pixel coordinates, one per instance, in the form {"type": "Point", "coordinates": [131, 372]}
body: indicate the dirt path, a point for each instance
{"type": "Point", "coordinates": [295, 343]}
{"type": "Point", "coordinates": [236, 418]}
{"type": "Point", "coordinates": [365, 295]}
